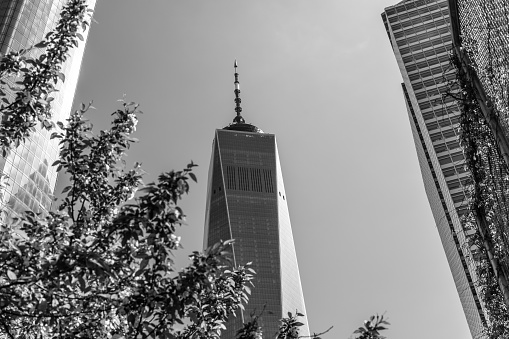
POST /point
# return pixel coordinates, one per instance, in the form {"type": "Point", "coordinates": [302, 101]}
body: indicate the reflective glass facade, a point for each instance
{"type": "Point", "coordinates": [31, 176]}
{"type": "Point", "coordinates": [420, 36]}
{"type": "Point", "coordinates": [247, 202]}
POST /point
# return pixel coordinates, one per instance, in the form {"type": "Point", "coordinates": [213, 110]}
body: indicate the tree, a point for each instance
{"type": "Point", "coordinates": [28, 77]}
{"type": "Point", "coordinates": [99, 265]}
{"type": "Point", "coordinates": [372, 328]}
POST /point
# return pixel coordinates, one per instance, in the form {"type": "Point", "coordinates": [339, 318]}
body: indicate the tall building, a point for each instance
{"type": "Point", "coordinates": [481, 47]}
{"type": "Point", "coordinates": [420, 34]}
{"type": "Point", "coordinates": [246, 201]}
{"type": "Point", "coordinates": [32, 179]}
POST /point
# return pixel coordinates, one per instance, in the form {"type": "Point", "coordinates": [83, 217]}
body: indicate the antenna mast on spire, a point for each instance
{"type": "Point", "coordinates": [238, 109]}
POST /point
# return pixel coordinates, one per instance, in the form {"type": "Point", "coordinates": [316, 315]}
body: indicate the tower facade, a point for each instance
{"type": "Point", "coordinates": [420, 34]}
{"type": "Point", "coordinates": [32, 179]}
{"type": "Point", "coordinates": [246, 201]}
{"type": "Point", "coordinates": [482, 29]}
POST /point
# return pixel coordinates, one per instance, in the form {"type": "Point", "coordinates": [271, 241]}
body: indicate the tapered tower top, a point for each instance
{"type": "Point", "coordinates": [239, 124]}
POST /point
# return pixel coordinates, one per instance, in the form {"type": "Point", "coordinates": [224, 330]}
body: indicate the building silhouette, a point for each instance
{"type": "Point", "coordinates": [420, 34]}
{"type": "Point", "coordinates": [246, 201]}
{"type": "Point", "coordinates": [32, 179]}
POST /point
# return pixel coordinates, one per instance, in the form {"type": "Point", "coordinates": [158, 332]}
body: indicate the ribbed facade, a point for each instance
{"type": "Point", "coordinates": [420, 36]}
{"type": "Point", "coordinates": [32, 179]}
{"type": "Point", "coordinates": [246, 201]}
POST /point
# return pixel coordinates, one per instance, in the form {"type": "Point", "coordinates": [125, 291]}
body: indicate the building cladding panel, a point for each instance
{"type": "Point", "coordinates": [247, 202]}
{"type": "Point", "coordinates": [484, 26]}
{"type": "Point", "coordinates": [419, 33]}
{"type": "Point", "coordinates": [32, 179]}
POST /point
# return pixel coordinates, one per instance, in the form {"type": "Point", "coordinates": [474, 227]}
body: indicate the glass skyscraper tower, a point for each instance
{"type": "Point", "coordinates": [246, 201]}
{"type": "Point", "coordinates": [32, 179]}
{"type": "Point", "coordinates": [420, 34]}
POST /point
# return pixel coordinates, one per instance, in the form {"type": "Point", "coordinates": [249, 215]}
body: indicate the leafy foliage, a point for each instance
{"type": "Point", "coordinates": [100, 264]}
{"type": "Point", "coordinates": [101, 267]}
{"type": "Point", "coordinates": [372, 328]}
{"type": "Point", "coordinates": [488, 213]}
{"type": "Point", "coordinates": [29, 77]}
{"type": "Point", "coordinates": [289, 327]}
{"type": "Point", "coordinates": [250, 330]}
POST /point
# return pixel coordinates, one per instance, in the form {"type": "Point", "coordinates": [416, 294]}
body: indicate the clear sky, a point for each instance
{"type": "Point", "coordinates": [320, 75]}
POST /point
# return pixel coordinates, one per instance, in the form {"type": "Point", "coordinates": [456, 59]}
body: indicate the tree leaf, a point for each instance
{"type": "Point", "coordinates": [41, 44]}
{"type": "Point", "coordinates": [144, 263]}
{"type": "Point", "coordinates": [43, 305]}
{"type": "Point", "coordinates": [11, 275]}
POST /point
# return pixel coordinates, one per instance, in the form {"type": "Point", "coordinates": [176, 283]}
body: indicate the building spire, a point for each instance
{"type": "Point", "coordinates": [238, 119]}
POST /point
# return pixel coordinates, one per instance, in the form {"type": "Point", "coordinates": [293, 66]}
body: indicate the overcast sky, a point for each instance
{"type": "Point", "coordinates": [320, 75]}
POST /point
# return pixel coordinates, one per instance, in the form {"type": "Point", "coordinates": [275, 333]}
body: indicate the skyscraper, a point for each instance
{"type": "Point", "coordinates": [246, 201]}
{"type": "Point", "coordinates": [32, 179]}
{"type": "Point", "coordinates": [480, 55]}
{"type": "Point", "coordinates": [420, 35]}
